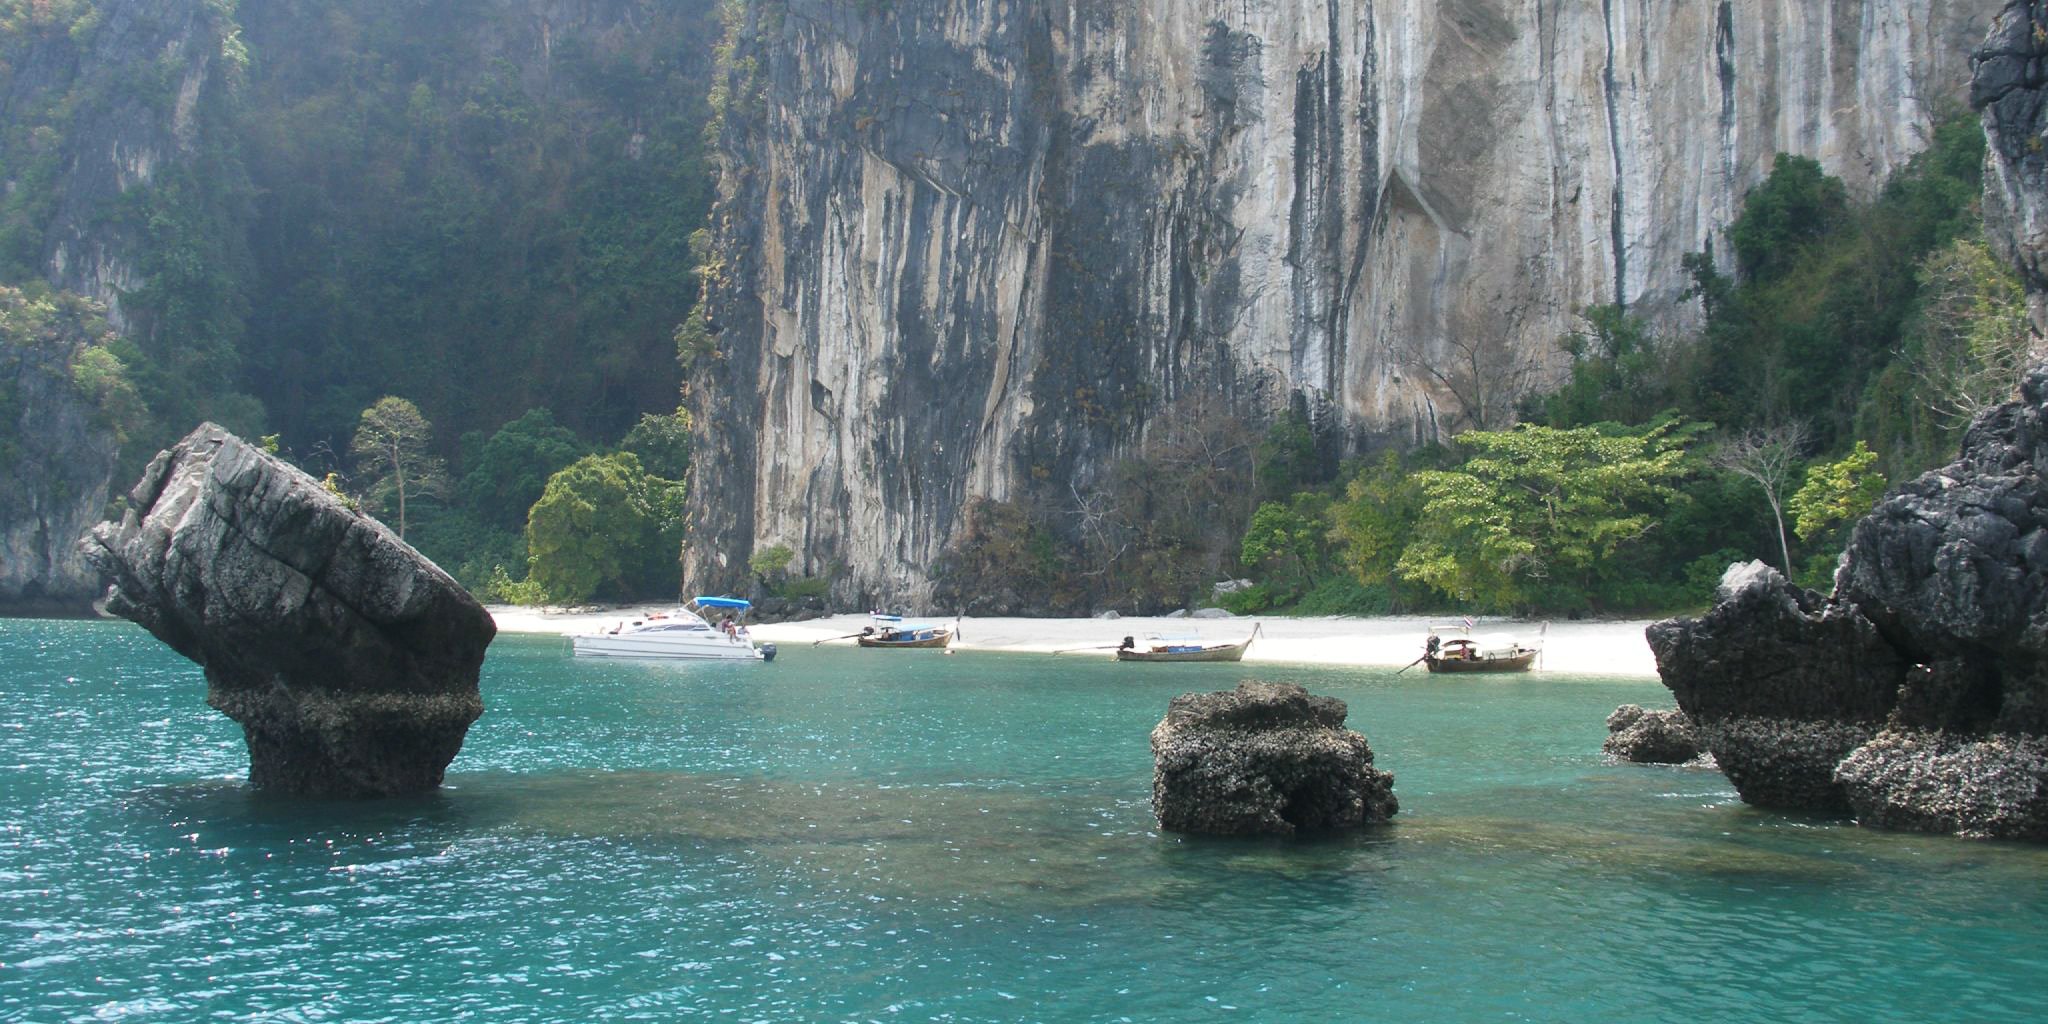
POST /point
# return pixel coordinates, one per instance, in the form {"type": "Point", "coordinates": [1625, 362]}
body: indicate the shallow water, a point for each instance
{"type": "Point", "coordinates": [887, 835]}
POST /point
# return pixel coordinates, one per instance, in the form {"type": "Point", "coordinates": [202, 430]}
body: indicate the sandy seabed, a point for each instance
{"type": "Point", "coordinates": [1603, 648]}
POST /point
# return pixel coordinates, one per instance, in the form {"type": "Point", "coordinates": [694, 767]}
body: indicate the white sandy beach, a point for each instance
{"type": "Point", "coordinates": [1607, 648]}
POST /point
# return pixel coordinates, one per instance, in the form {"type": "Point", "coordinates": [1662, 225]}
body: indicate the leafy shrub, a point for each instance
{"type": "Point", "coordinates": [771, 562]}
{"type": "Point", "coordinates": [1249, 601]}
{"type": "Point", "coordinates": [501, 588]}
{"type": "Point", "coordinates": [1345, 595]}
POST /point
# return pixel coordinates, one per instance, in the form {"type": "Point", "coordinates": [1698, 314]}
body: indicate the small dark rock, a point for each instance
{"type": "Point", "coordinates": [1635, 733]}
{"type": "Point", "coordinates": [1264, 759]}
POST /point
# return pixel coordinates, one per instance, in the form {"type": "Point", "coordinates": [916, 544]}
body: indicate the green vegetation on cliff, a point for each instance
{"type": "Point", "coordinates": [483, 208]}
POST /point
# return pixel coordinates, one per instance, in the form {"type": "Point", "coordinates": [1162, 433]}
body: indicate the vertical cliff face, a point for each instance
{"type": "Point", "coordinates": [2009, 89]}
{"type": "Point", "coordinates": [110, 100]}
{"type": "Point", "coordinates": [974, 248]}
{"type": "Point", "coordinates": [95, 103]}
{"type": "Point", "coordinates": [56, 451]}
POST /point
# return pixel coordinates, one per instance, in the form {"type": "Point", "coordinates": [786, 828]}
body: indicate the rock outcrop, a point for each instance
{"type": "Point", "coordinates": [350, 660]}
{"type": "Point", "coordinates": [1780, 685]}
{"type": "Point", "coordinates": [1264, 759]}
{"type": "Point", "coordinates": [980, 250]}
{"type": "Point", "coordinates": [2009, 89]}
{"type": "Point", "coordinates": [1916, 695]}
{"type": "Point", "coordinates": [1639, 734]}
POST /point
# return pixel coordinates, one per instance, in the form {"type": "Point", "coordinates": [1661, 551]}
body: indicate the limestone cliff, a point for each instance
{"type": "Point", "coordinates": [2009, 88]}
{"type": "Point", "coordinates": [57, 449]}
{"type": "Point", "coordinates": [96, 101]}
{"type": "Point", "coordinates": [105, 103]}
{"type": "Point", "coordinates": [966, 246]}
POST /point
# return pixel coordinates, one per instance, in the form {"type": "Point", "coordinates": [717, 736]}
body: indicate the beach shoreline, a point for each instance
{"type": "Point", "coordinates": [1615, 648]}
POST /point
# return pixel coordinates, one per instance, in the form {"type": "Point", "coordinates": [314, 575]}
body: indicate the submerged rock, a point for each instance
{"type": "Point", "coordinates": [349, 659]}
{"type": "Point", "coordinates": [1995, 786]}
{"type": "Point", "coordinates": [1264, 759]}
{"type": "Point", "coordinates": [1636, 733]}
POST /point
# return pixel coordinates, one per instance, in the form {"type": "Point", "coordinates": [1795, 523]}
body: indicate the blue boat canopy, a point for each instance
{"type": "Point", "coordinates": [725, 602]}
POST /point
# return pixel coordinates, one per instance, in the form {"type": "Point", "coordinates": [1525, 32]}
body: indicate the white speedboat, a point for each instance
{"type": "Point", "coordinates": [679, 635]}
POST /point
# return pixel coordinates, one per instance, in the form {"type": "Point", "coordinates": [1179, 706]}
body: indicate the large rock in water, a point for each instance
{"type": "Point", "coordinates": [1780, 686]}
{"type": "Point", "coordinates": [1264, 759]}
{"type": "Point", "coordinates": [1916, 696]}
{"type": "Point", "coordinates": [349, 659]}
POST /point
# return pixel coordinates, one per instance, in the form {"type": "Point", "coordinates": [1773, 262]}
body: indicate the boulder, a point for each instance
{"type": "Point", "coordinates": [1635, 733]}
{"type": "Point", "coordinates": [1264, 759]}
{"type": "Point", "coordinates": [349, 659]}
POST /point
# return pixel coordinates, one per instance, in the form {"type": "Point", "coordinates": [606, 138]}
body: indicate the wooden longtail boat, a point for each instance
{"type": "Point", "coordinates": [922, 636]}
{"type": "Point", "coordinates": [1462, 654]}
{"type": "Point", "coordinates": [891, 631]}
{"type": "Point", "coordinates": [1460, 659]}
{"type": "Point", "coordinates": [1161, 649]}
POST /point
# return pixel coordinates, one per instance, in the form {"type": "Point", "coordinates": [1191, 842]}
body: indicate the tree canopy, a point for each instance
{"type": "Point", "coordinates": [1535, 510]}
{"type": "Point", "coordinates": [394, 460]}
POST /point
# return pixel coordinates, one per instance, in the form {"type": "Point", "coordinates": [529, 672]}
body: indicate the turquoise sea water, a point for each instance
{"type": "Point", "coordinates": [908, 836]}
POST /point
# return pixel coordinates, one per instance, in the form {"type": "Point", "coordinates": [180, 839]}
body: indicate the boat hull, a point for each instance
{"type": "Point", "coordinates": [940, 640]}
{"type": "Point", "coordinates": [1506, 663]}
{"type": "Point", "coordinates": [1227, 652]}
{"type": "Point", "coordinates": [713, 648]}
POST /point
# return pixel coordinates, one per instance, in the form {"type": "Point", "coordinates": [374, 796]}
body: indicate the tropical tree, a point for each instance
{"type": "Point", "coordinates": [1376, 519]}
{"type": "Point", "coordinates": [1617, 372]}
{"type": "Point", "coordinates": [1974, 342]}
{"type": "Point", "coordinates": [1796, 206]}
{"type": "Point", "coordinates": [510, 470]}
{"type": "Point", "coordinates": [1533, 512]}
{"type": "Point", "coordinates": [662, 443]}
{"type": "Point", "coordinates": [591, 528]}
{"type": "Point", "coordinates": [1285, 544]}
{"type": "Point", "coordinates": [390, 449]}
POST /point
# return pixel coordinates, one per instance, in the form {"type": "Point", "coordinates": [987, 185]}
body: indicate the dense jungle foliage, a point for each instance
{"type": "Point", "coordinates": [1848, 347]}
{"type": "Point", "coordinates": [457, 206]}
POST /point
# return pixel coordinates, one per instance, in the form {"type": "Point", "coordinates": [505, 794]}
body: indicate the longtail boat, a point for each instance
{"type": "Point", "coordinates": [1464, 654]}
{"type": "Point", "coordinates": [1159, 648]}
{"type": "Point", "coordinates": [890, 631]}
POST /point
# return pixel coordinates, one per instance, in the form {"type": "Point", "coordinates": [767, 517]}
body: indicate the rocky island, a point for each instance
{"type": "Point", "coordinates": [1264, 759]}
{"type": "Point", "coordinates": [1915, 695]}
{"type": "Point", "coordinates": [350, 660]}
